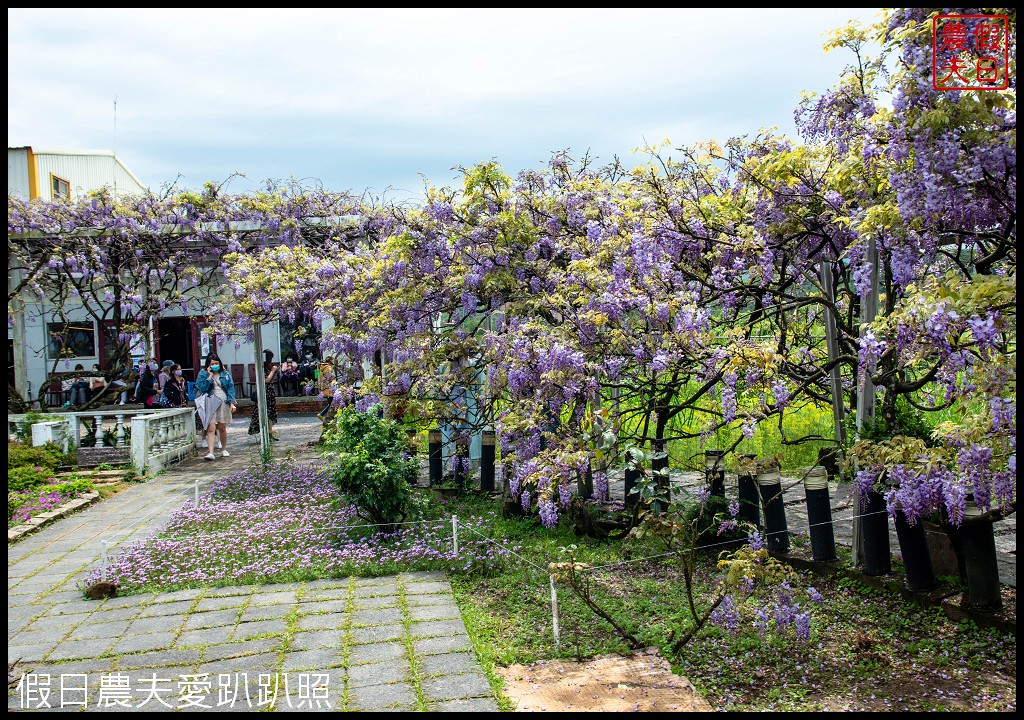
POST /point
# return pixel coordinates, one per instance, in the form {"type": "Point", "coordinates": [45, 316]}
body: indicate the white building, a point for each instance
{"type": "Point", "coordinates": [47, 173]}
{"type": "Point", "coordinates": [34, 173]}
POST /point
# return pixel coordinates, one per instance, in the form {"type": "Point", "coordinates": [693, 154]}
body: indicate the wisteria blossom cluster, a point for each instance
{"type": "Point", "coordinates": [285, 522]}
{"type": "Point", "coordinates": [760, 592]}
{"type": "Point", "coordinates": [124, 261]}
{"type": "Point", "coordinates": [698, 284]}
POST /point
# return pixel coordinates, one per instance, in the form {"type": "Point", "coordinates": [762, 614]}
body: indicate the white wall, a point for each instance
{"type": "Point", "coordinates": [84, 172]}
{"type": "Point", "coordinates": [17, 172]}
{"type": "Point", "coordinates": [38, 366]}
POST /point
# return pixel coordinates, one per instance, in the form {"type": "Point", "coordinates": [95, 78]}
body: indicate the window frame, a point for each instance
{"type": "Point", "coordinates": [54, 193]}
{"type": "Point", "coordinates": [79, 325]}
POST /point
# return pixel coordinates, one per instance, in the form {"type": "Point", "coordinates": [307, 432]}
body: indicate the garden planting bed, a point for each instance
{"type": "Point", "coordinates": [38, 521]}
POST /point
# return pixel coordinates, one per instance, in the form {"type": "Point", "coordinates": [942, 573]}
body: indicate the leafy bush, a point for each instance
{"type": "Point", "coordinates": [21, 455]}
{"type": "Point", "coordinates": [708, 516]}
{"type": "Point", "coordinates": [28, 477]}
{"type": "Point", "coordinates": [367, 462]}
{"type": "Point", "coordinates": [49, 455]}
{"type": "Point", "coordinates": [71, 487]}
{"type": "Point", "coordinates": [23, 504]}
{"type": "Point", "coordinates": [909, 422]}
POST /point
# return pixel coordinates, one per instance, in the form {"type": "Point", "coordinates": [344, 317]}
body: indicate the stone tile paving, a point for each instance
{"type": "Point", "coordinates": [391, 643]}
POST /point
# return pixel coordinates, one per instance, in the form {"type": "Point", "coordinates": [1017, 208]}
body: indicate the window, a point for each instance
{"type": "Point", "coordinates": [71, 340]}
{"type": "Point", "coordinates": [59, 187]}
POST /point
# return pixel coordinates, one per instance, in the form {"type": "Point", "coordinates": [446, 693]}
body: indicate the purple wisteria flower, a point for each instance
{"type": "Point", "coordinates": [726, 615]}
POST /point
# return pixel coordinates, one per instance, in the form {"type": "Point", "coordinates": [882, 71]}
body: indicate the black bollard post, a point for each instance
{"type": "Point", "coordinates": [819, 515]}
{"type": "Point", "coordinates": [487, 449]}
{"type": "Point", "coordinates": [461, 459]}
{"type": "Point", "coordinates": [585, 483]}
{"type": "Point", "coordinates": [750, 505]}
{"type": "Point", "coordinates": [659, 469]}
{"type": "Point", "coordinates": [828, 458]}
{"type": "Point", "coordinates": [434, 457]}
{"type": "Point", "coordinates": [714, 463]}
{"type": "Point", "coordinates": [983, 592]}
{"type": "Point", "coordinates": [631, 475]}
{"type": "Point", "coordinates": [769, 484]}
{"type": "Point", "coordinates": [874, 525]}
{"type": "Point", "coordinates": [916, 558]}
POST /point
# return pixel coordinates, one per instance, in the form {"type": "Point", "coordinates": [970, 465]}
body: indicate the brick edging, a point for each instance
{"type": "Point", "coordinates": [38, 521]}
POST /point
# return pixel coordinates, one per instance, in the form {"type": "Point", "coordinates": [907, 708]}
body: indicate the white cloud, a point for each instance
{"type": "Point", "coordinates": [201, 88]}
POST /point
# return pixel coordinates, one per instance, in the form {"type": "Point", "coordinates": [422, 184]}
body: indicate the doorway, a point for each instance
{"type": "Point", "coordinates": [174, 342]}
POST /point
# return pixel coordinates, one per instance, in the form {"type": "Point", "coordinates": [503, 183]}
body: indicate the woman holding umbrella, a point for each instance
{"type": "Point", "coordinates": [215, 401]}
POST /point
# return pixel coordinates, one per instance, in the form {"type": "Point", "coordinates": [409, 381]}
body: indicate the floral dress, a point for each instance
{"type": "Point", "coordinates": [254, 423]}
{"type": "Point", "coordinates": [223, 414]}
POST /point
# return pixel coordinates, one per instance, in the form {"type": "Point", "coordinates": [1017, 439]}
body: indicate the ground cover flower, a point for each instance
{"type": "Point", "coordinates": [286, 522]}
{"type": "Point", "coordinates": [26, 503]}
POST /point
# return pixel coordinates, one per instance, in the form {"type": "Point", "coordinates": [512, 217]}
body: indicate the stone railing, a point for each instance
{"type": "Point", "coordinates": [154, 438]}
{"type": "Point", "coordinates": [162, 438]}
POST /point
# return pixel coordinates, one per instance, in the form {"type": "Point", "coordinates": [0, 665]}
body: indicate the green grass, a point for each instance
{"type": "Point", "coordinates": [864, 640]}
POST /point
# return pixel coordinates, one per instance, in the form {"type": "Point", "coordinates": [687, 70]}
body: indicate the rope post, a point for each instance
{"type": "Point", "coordinates": [714, 464]}
{"type": "Point", "coordinates": [769, 484]}
{"type": "Point", "coordinates": [434, 445]}
{"type": "Point", "coordinates": [819, 514]}
{"type": "Point", "coordinates": [103, 561]}
{"type": "Point", "coordinates": [455, 534]}
{"type": "Point", "coordinates": [554, 610]}
{"type": "Point", "coordinates": [197, 492]}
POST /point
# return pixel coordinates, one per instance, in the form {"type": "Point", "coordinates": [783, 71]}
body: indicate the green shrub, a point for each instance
{"type": "Point", "coordinates": [709, 517]}
{"type": "Point", "coordinates": [49, 455]}
{"type": "Point", "coordinates": [15, 502]}
{"type": "Point", "coordinates": [21, 455]}
{"type": "Point", "coordinates": [367, 462]}
{"type": "Point", "coordinates": [28, 477]}
{"type": "Point", "coordinates": [79, 485]}
{"type": "Point", "coordinates": [40, 498]}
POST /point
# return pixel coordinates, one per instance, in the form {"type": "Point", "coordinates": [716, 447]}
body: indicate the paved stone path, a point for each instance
{"type": "Point", "coordinates": [395, 643]}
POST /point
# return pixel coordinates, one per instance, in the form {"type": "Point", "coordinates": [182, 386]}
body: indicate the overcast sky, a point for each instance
{"type": "Point", "coordinates": [378, 100]}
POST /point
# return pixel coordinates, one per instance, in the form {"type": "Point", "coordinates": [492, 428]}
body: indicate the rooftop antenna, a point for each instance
{"type": "Point", "coordinates": [115, 146]}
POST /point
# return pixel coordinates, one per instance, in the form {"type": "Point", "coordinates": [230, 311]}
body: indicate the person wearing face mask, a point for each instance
{"type": "Point", "coordinates": [77, 388]}
{"type": "Point", "coordinates": [307, 368]}
{"type": "Point", "coordinates": [96, 382]}
{"type": "Point", "coordinates": [271, 370]}
{"type": "Point", "coordinates": [166, 368]}
{"type": "Point", "coordinates": [174, 389]}
{"type": "Point", "coordinates": [289, 376]}
{"type": "Point", "coordinates": [147, 390]}
{"type": "Point", "coordinates": [216, 381]}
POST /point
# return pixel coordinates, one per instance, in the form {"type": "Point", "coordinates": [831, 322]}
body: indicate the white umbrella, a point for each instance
{"type": "Point", "coordinates": [207, 406]}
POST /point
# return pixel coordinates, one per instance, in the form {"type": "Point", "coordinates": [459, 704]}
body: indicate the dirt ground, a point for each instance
{"type": "Point", "coordinates": [641, 683]}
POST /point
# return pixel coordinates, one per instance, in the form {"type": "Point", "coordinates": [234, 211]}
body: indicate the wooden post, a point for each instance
{"type": "Point", "coordinates": [865, 388]}
{"type": "Point", "coordinates": [832, 344]}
